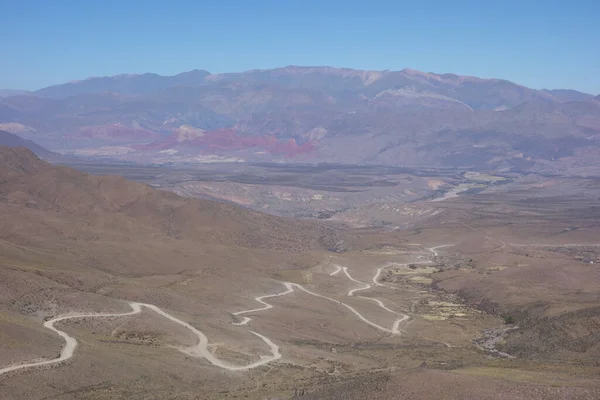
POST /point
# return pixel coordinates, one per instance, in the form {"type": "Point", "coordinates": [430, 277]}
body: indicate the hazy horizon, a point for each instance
{"type": "Point", "coordinates": [549, 48]}
{"type": "Point", "coordinates": [284, 66]}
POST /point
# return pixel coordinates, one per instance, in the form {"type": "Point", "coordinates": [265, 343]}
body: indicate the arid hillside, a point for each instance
{"type": "Point", "coordinates": [83, 203]}
{"type": "Point", "coordinates": [490, 295]}
{"type": "Point", "coordinates": [75, 243]}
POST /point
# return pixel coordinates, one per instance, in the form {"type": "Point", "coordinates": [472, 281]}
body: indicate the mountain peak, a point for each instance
{"type": "Point", "coordinates": [410, 71]}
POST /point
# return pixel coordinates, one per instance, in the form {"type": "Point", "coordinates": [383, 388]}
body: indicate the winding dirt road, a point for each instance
{"type": "Point", "coordinates": [200, 350]}
{"type": "Point", "coordinates": [433, 250]}
{"type": "Point", "coordinates": [394, 330]}
{"type": "Point", "coordinates": [70, 342]}
{"type": "Point", "coordinates": [260, 300]}
{"type": "Point", "coordinates": [337, 270]}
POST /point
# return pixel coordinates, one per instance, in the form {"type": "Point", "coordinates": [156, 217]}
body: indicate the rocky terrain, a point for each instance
{"type": "Point", "coordinates": [311, 115]}
{"type": "Point", "coordinates": [160, 296]}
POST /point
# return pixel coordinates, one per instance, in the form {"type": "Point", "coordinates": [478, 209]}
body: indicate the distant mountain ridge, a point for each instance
{"type": "Point", "coordinates": [127, 84]}
{"type": "Point", "coordinates": [12, 92]}
{"type": "Point", "coordinates": [307, 77]}
{"type": "Point", "coordinates": [311, 114]}
{"type": "Point", "coordinates": [10, 140]}
{"type": "Point", "coordinates": [568, 95]}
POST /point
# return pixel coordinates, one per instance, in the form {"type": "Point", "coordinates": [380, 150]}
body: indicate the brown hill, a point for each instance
{"type": "Point", "coordinates": [72, 242]}
{"type": "Point", "coordinates": [131, 207]}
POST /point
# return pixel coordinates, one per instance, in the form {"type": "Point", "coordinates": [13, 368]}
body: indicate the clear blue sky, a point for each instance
{"type": "Point", "coordinates": [541, 44]}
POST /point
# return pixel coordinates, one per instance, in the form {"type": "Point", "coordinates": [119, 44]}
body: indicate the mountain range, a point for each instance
{"type": "Point", "coordinates": [312, 115]}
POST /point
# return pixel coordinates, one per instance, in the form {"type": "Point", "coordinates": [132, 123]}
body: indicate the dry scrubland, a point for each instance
{"type": "Point", "coordinates": [519, 253]}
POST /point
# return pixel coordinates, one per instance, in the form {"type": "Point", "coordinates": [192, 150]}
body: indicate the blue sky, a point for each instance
{"type": "Point", "coordinates": [541, 44]}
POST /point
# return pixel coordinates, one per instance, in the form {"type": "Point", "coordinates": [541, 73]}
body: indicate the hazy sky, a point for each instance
{"type": "Point", "coordinates": [541, 44]}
